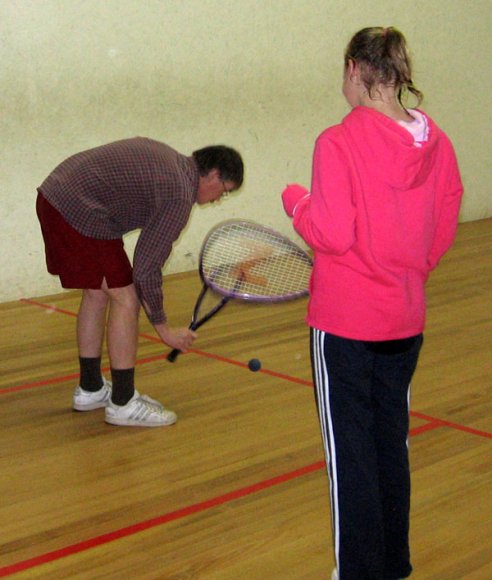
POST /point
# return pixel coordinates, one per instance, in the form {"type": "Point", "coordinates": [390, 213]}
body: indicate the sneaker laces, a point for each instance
{"type": "Point", "coordinates": [153, 407]}
{"type": "Point", "coordinates": [149, 401]}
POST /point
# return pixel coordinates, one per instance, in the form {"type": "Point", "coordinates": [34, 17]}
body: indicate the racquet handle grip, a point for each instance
{"type": "Point", "coordinates": [173, 355]}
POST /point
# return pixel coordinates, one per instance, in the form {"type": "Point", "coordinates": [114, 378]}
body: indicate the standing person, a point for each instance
{"type": "Point", "coordinates": [85, 206]}
{"type": "Point", "coordinates": [382, 211]}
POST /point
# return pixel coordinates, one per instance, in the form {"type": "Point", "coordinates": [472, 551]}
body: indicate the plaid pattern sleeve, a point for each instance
{"type": "Point", "coordinates": [151, 252]}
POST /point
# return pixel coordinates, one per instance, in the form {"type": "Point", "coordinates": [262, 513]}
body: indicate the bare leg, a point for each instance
{"type": "Point", "coordinates": [122, 326]}
{"type": "Point", "coordinates": [91, 323]}
{"type": "Point", "coordinates": [122, 333]}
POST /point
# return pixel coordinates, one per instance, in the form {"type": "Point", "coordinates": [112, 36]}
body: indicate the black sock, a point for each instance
{"type": "Point", "coordinates": [90, 373]}
{"type": "Point", "coordinates": [123, 385]}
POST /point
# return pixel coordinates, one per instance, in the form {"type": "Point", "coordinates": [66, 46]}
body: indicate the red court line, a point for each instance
{"type": "Point", "coordinates": [47, 306]}
{"type": "Point", "coordinates": [71, 377]}
{"type": "Point", "coordinates": [430, 426]}
{"type": "Point", "coordinates": [35, 384]}
{"type": "Point", "coordinates": [169, 517]}
{"type": "Point", "coordinates": [154, 522]}
{"type": "Point", "coordinates": [245, 366]}
{"type": "Point", "coordinates": [235, 362]}
{"type": "Point", "coordinates": [450, 424]}
{"type": "Point", "coordinates": [433, 420]}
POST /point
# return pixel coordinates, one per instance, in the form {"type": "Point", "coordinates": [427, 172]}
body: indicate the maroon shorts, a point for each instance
{"type": "Point", "coordinates": [79, 261]}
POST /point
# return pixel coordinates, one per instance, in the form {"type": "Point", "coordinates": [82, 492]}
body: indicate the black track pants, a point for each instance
{"type": "Point", "coordinates": [362, 394]}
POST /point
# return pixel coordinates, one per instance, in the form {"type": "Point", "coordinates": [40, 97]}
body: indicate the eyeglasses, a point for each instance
{"type": "Point", "coordinates": [226, 191]}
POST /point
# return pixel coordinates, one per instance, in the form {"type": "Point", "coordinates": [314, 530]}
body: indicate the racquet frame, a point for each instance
{"type": "Point", "coordinates": [241, 274]}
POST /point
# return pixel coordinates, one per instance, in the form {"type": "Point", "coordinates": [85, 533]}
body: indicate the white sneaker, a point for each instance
{"type": "Point", "coordinates": [140, 411]}
{"type": "Point", "coordinates": [83, 400]}
{"type": "Point", "coordinates": [149, 400]}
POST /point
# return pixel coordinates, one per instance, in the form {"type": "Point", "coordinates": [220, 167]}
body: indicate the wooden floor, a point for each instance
{"type": "Point", "coordinates": [237, 489]}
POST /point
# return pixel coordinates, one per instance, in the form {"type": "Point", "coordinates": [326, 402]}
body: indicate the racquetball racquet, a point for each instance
{"type": "Point", "coordinates": [244, 260]}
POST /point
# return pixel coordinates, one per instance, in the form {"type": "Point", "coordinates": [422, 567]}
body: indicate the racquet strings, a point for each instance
{"type": "Point", "coordinates": [268, 265]}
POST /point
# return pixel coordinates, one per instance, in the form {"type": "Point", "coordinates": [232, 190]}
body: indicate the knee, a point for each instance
{"type": "Point", "coordinates": [125, 298]}
{"type": "Point", "coordinates": [97, 298]}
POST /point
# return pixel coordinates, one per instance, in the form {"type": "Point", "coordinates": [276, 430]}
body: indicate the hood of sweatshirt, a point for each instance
{"type": "Point", "coordinates": [388, 150]}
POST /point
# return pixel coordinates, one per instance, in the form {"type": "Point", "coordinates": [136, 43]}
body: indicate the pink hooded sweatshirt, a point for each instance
{"type": "Point", "coordinates": [382, 211]}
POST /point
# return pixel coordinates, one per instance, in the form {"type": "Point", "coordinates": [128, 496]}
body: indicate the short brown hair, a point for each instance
{"type": "Point", "coordinates": [225, 159]}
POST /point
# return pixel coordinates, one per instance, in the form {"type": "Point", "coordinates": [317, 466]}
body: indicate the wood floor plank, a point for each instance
{"type": "Point", "coordinates": [237, 489]}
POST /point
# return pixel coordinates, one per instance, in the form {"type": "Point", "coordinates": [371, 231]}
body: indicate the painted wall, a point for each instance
{"type": "Point", "coordinates": [261, 75]}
